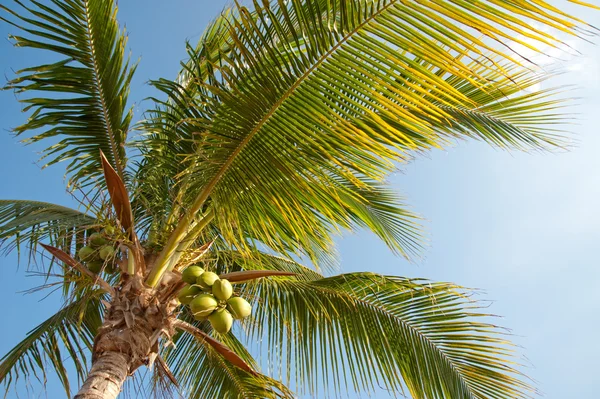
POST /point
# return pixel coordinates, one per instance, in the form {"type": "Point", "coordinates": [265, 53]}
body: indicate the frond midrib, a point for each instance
{"type": "Point", "coordinates": [204, 194]}
{"type": "Point", "coordinates": [100, 91]}
{"type": "Point", "coordinates": [46, 204]}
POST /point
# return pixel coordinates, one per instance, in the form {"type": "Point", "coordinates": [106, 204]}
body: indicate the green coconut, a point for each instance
{"type": "Point", "coordinates": [206, 280]}
{"type": "Point", "coordinates": [221, 320]}
{"type": "Point", "coordinates": [95, 266]}
{"type": "Point", "coordinates": [97, 240]}
{"type": "Point", "coordinates": [190, 274]}
{"type": "Point", "coordinates": [222, 289]}
{"type": "Point", "coordinates": [110, 230]}
{"type": "Point", "coordinates": [203, 305]}
{"type": "Point", "coordinates": [239, 307]}
{"type": "Point", "coordinates": [106, 252]}
{"type": "Point", "coordinates": [86, 253]}
{"type": "Point", "coordinates": [188, 293]}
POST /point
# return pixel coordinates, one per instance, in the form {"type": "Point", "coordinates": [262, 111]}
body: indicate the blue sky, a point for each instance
{"type": "Point", "coordinates": [522, 227]}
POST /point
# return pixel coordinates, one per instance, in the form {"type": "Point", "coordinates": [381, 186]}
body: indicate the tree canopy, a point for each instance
{"type": "Point", "coordinates": [278, 133]}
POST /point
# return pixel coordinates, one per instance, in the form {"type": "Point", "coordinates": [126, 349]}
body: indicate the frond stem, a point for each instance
{"type": "Point", "coordinates": [223, 350]}
{"type": "Point", "coordinates": [185, 227]}
{"type": "Point", "coordinates": [98, 83]}
{"type": "Point", "coordinates": [66, 258]}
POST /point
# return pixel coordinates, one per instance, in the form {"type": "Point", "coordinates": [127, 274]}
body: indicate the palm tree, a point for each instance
{"type": "Point", "coordinates": [278, 133]}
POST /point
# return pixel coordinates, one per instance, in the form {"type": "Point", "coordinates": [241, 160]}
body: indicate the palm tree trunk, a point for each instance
{"type": "Point", "coordinates": [136, 318]}
{"type": "Point", "coordinates": [106, 377]}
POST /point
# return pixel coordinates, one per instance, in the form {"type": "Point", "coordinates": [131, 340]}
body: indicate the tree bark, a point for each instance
{"type": "Point", "coordinates": [135, 320]}
{"type": "Point", "coordinates": [106, 377]}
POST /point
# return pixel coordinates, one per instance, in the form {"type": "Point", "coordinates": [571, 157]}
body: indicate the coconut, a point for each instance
{"type": "Point", "coordinates": [206, 280]}
{"type": "Point", "coordinates": [203, 305]}
{"type": "Point", "coordinates": [190, 274]}
{"type": "Point", "coordinates": [221, 321]}
{"type": "Point", "coordinates": [222, 289]}
{"type": "Point", "coordinates": [188, 293]}
{"type": "Point", "coordinates": [106, 252]}
{"type": "Point", "coordinates": [109, 230]}
{"type": "Point", "coordinates": [239, 307]}
{"type": "Point", "coordinates": [97, 240]}
{"type": "Point", "coordinates": [95, 266]}
{"type": "Point", "coordinates": [86, 253]}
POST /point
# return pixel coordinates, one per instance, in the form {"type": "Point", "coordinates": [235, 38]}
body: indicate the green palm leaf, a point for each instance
{"type": "Point", "coordinates": [170, 129]}
{"type": "Point", "coordinates": [83, 96]}
{"type": "Point", "coordinates": [510, 114]}
{"type": "Point", "coordinates": [227, 261]}
{"type": "Point", "coordinates": [30, 222]}
{"type": "Point", "coordinates": [371, 205]}
{"type": "Point", "coordinates": [305, 94]}
{"type": "Point", "coordinates": [367, 330]}
{"type": "Point", "coordinates": [71, 329]}
{"type": "Point", "coordinates": [202, 373]}
{"type": "Point", "coordinates": [363, 330]}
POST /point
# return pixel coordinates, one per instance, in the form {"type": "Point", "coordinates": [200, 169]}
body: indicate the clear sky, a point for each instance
{"type": "Point", "coordinates": [525, 228]}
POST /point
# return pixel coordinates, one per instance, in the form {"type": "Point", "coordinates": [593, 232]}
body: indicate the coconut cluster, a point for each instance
{"type": "Point", "coordinates": [100, 249]}
{"type": "Point", "coordinates": [210, 298]}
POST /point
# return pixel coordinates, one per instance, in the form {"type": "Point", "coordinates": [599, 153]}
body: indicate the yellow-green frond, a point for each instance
{"type": "Point", "coordinates": [362, 331]}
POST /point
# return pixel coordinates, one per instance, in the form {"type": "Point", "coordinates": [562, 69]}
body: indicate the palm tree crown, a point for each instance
{"type": "Point", "coordinates": [278, 133]}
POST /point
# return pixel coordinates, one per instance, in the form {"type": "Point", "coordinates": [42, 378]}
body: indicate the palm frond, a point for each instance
{"type": "Point", "coordinates": [307, 94]}
{"type": "Point", "coordinates": [361, 203]}
{"type": "Point", "coordinates": [71, 329]}
{"type": "Point", "coordinates": [202, 373]}
{"type": "Point", "coordinates": [228, 261]}
{"type": "Point", "coordinates": [363, 331]}
{"type": "Point", "coordinates": [29, 222]}
{"type": "Point", "coordinates": [510, 111]}
{"type": "Point", "coordinates": [82, 96]}
{"type": "Point", "coordinates": [170, 128]}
